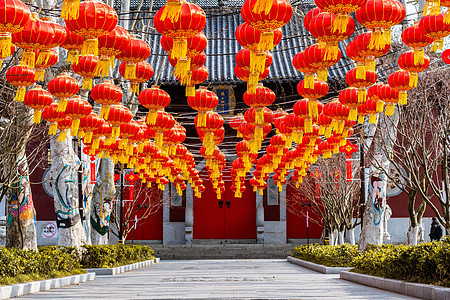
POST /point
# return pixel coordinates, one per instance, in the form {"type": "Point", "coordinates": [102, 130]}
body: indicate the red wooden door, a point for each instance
{"type": "Point", "coordinates": [238, 221]}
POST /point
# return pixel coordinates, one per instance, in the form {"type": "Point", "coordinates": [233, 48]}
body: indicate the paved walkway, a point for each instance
{"type": "Point", "coordinates": [219, 279]}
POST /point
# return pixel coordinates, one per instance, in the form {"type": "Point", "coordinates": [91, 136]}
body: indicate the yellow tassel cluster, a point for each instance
{"type": "Point", "coordinates": [62, 135]}
{"type": "Point", "coordinates": [403, 98]}
{"type": "Point", "coordinates": [257, 61]}
{"type": "Point", "coordinates": [20, 94]}
{"type": "Point", "coordinates": [266, 41]}
{"type": "Point", "coordinates": [390, 108]}
{"type": "Point", "coordinates": [360, 71]}
{"type": "Point", "coordinates": [70, 9]}
{"type": "Point", "coordinates": [322, 75]}
{"type": "Point", "coordinates": [90, 46]}
{"type": "Point", "coordinates": [340, 23]}
{"type": "Point", "coordinates": [419, 56]}
{"type": "Point", "coordinates": [72, 57]}
{"type": "Point", "coordinates": [377, 40]}
{"type": "Point", "coordinates": [87, 83]}
{"type": "Point", "coordinates": [37, 116]}
{"type": "Point", "coordinates": [179, 49]}
{"type": "Point", "coordinates": [432, 7]}
{"type": "Point", "coordinates": [75, 127]}
{"type": "Point", "coordinates": [171, 11]}
{"type": "Point", "coordinates": [353, 114]}
{"type": "Point", "coordinates": [313, 108]}
{"type": "Point", "coordinates": [28, 58]}
{"type": "Point", "coordinates": [413, 79]}
{"type": "Point", "coordinates": [5, 44]}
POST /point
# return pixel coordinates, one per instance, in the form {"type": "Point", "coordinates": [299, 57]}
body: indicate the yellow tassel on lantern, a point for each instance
{"type": "Point", "coordinates": [103, 66]}
{"type": "Point", "coordinates": [5, 44]}
{"type": "Point", "coordinates": [340, 23]}
{"type": "Point", "coordinates": [159, 139]}
{"type": "Point", "coordinates": [380, 106]}
{"type": "Point", "coordinates": [437, 45]}
{"type": "Point", "coordinates": [134, 88]}
{"type": "Point", "coordinates": [259, 116]}
{"type": "Point", "coordinates": [308, 125]}
{"type": "Point", "coordinates": [62, 105]}
{"type": "Point", "coordinates": [70, 9]}
{"type": "Point", "coordinates": [259, 134]}
{"type": "Point", "coordinates": [432, 7]}
{"type": "Point", "coordinates": [377, 40]}
{"type": "Point", "coordinates": [361, 119]}
{"type": "Point", "coordinates": [390, 108]}
{"type": "Point", "coordinates": [20, 94]}
{"type": "Point", "coordinates": [321, 130]}
{"type": "Point", "coordinates": [403, 98]}
{"type": "Point", "coordinates": [81, 133]}
{"type": "Point", "coordinates": [39, 76]}
{"type": "Point", "coordinates": [266, 41]}
{"type": "Point", "coordinates": [340, 127]}
{"type": "Point", "coordinates": [313, 109]}
{"type": "Point", "coordinates": [87, 83]}
{"type": "Point", "coordinates": [182, 67]}
{"type": "Point", "coordinates": [419, 56]}
{"type": "Point", "coordinates": [52, 129]}
{"type": "Point", "coordinates": [115, 132]}
{"type": "Point", "coordinates": [370, 65]}
{"type": "Point", "coordinates": [353, 115]}
{"type": "Point", "coordinates": [190, 91]}
{"type": "Point", "coordinates": [130, 71]}
{"type": "Point", "coordinates": [171, 11]}
{"type": "Point", "coordinates": [322, 75]}
{"type": "Point", "coordinates": [72, 57]}
{"type": "Point", "coordinates": [179, 48]}
{"type": "Point", "coordinates": [28, 58]}
{"type": "Point", "coordinates": [151, 117]}
{"type": "Point", "coordinates": [262, 6]}
{"type": "Point", "coordinates": [413, 79]}
{"type": "Point", "coordinates": [387, 37]}
{"type": "Point", "coordinates": [309, 81]}
{"type": "Point", "coordinates": [373, 118]}
{"type": "Point", "coordinates": [257, 61]}
{"type": "Point", "coordinates": [88, 136]}
{"type": "Point", "coordinates": [90, 46]}
{"type": "Point", "coordinates": [360, 71]}
{"type": "Point", "coordinates": [43, 57]}
{"type": "Point", "coordinates": [447, 16]}
{"type": "Point", "coordinates": [253, 79]}
{"type": "Point", "coordinates": [75, 126]}
{"type": "Point", "coordinates": [104, 112]}
{"type": "Point", "coordinates": [37, 116]}
{"type": "Point", "coordinates": [328, 131]}
{"type": "Point", "coordinates": [332, 51]}
{"type": "Point", "coordinates": [362, 96]}
{"type": "Point", "coordinates": [62, 136]}
{"type": "Point", "coordinates": [327, 154]}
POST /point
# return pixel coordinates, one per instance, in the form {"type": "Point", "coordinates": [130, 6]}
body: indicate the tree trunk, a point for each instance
{"type": "Point", "coordinates": [341, 237]}
{"type": "Point", "coordinates": [87, 187]}
{"type": "Point", "coordinates": [332, 238]}
{"type": "Point", "coordinates": [63, 173]}
{"type": "Point", "coordinates": [413, 235]}
{"type": "Point", "coordinates": [351, 236]}
{"type": "Point", "coordinates": [103, 196]}
{"type": "Point", "coordinates": [21, 215]}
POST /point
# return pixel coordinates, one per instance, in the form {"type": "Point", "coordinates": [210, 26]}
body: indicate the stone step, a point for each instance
{"type": "Point", "coordinates": [221, 251]}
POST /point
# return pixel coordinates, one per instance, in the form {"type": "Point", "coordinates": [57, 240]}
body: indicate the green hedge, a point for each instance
{"type": "Point", "coordinates": [330, 256]}
{"type": "Point", "coordinates": [424, 263]}
{"type": "Point", "coordinates": [47, 263]}
{"type": "Point", "coordinates": [107, 256]}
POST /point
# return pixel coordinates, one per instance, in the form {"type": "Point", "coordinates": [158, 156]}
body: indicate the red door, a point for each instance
{"type": "Point", "coordinates": [238, 221]}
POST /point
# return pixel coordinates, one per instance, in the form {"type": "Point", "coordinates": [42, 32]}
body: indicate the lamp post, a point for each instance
{"type": "Point", "coordinates": [307, 206]}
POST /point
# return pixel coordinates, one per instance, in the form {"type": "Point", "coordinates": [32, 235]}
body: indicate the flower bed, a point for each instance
{"type": "Point", "coordinates": [330, 256]}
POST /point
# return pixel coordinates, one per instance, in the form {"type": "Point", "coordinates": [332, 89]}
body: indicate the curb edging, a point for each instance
{"type": "Point", "coordinates": [20, 289]}
{"type": "Point", "coordinates": [424, 291]}
{"type": "Point", "coordinates": [122, 269]}
{"type": "Point", "coordinates": [316, 267]}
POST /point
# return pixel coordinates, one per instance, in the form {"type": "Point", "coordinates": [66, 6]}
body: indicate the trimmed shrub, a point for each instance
{"type": "Point", "coordinates": [330, 256]}
{"type": "Point", "coordinates": [107, 256]}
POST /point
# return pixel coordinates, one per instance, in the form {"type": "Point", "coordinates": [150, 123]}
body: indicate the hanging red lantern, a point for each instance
{"type": "Point", "coordinates": [94, 20]}
{"type": "Point", "coordinates": [195, 45]}
{"type": "Point", "coordinates": [301, 64]}
{"type": "Point", "coordinates": [41, 65]}
{"type": "Point", "coordinates": [88, 124]}
{"type": "Point", "coordinates": [36, 35]}
{"type": "Point", "coordinates": [164, 121]}
{"type": "Point", "coordinates": [361, 84]}
{"type": "Point", "coordinates": [63, 126]}
{"type": "Point", "coordinates": [310, 15]}
{"type": "Point", "coordinates": [58, 38]}
{"type": "Point", "coordinates": [38, 99]}
{"type": "Point", "coordinates": [267, 22]}
{"type": "Point", "coordinates": [324, 121]}
{"type": "Point", "coordinates": [340, 114]}
{"type": "Point", "coordinates": [244, 58]}
{"type": "Point", "coordinates": [154, 99]}
{"type": "Point", "coordinates": [371, 108]}
{"type": "Point", "coordinates": [302, 109]}
{"type": "Point", "coordinates": [196, 76]}
{"type": "Point", "coordinates": [415, 38]}
{"type": "Point", "coordinates": [317, 58]}
{"type": "Point", "coordinates": [127, 131]}
{"type": "Point", "coordinates": [350, 97]}
{"type": "Point", "coordinates": [321, 27]}
{"type": "Point", "coordinates": [117, 115]}
{"type": "Point", "coordinates": [407, 61]}
{"type": "Point", "coordinates": [109, 46]}
{"type": "Point", "coordinates": [445, 56]}
{"type": "Point", "coordinates": [203, 101]}
{"type": "Point", "coordinates": [341, 9]}
{"type": "Point", "coordinates": [262, 97]}
{"type": "Point", "coordinates": [389, 96]}
{"type": "Point", "coordinates": [104, 131]}
{"type": "Point", "coordinates": [21, 76]}
{"type": "Point", "coordinates": [379, 16]}
{"type": "Point", "coordinates": [144, 71]}
{"type": "Point", "coordinates": [251, 113]}
{"type": "Point", "coordinates": [73, 44]}
{"type": "Point", "coordinates": [85, 67]}
{"type": "Point", "coordinates": [77, 109]}
{"type": "Point", "coordinates": [52, 115]}
{"type": "Point", "coordinates": [14, 17]}
{"type": "Point", "coordinates": [245, 75]}
{"type": "Point", "coordinates": [106, 94]}
{"type": "Point", "coordinates": [399, 80]}
{"type": "Point", "coordinates": [184, 65]}
{"type": "Point", "coordinates": [213, 122]}
{"type": "Point", "coordinates": [249, 37]}
{"type": "Point", "coordinates": [191, 21]}
{"type": "Point", "coordinates": [318, 90]}
{"type": "Point", "coordinates": [435, 28]}
{"type": "Point", "coordinates": [63, 87]}
{"type": "Point", "coordinates": [136, 50]}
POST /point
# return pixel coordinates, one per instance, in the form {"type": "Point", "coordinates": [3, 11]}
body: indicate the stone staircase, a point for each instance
{"type": "Point", "coordinates": [221, 251]}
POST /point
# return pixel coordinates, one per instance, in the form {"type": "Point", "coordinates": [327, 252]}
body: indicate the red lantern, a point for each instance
{"type": "Point", "coordinates": [127, 131]}
{"type": "Point", "coordinates": [117, 116]}
{"type": "Point", "coordinates": [340, 114]}
{"type": "Point", "coordinates": [36, 35]}
{"type": "Point", "coordinates": [63, 87]}
{"type": "Point", "coordinates": [213, 122]}
{"type": "Point", "coordinates": [249, 37]}
{"type": "Point", "coordinates": [244, 58]}
{"type": "Point", "coordinates": [415, 38]}
{"type": "Point", "coordinates": [321, 27]}
{"type": "Point", "coordinates": [318, 90]}
{"type": "Point", "coordinates": [154, 99]}
{"type": "Point", "coordinates": [361, 84]}
{"type": "Point", "coordinates": [77, 109]}
{"type": "Point", "coordinates": [63, 126]}
{"type": "Point", "coordinates": [191, 21]}
{"type": "Point", "coordinates": [86, 67]}
{"type": "Point", "coordinates": [21, 77]}
{"type": "Point", "coordinates": [390, 97]}
{"type": "Point", "coordinates": [371, 108]}
{"type": "Point", "coordinates": [408, 62]}
{"type": "Point", "coordinates": [350, 98]}
{"type": "Point", "coordinates": [144, 71]}
{"type": "Point", "coordinates": [43, 64]}
{"type": "Point", "coordinates": [317, 58]}
{"type": "Point", "coordinates": [195, 45]}
{"type": "Point", "coordinates": [251, 113]}
{"type": "Point", "coordinates": [302, 108]}
{"type": "Point", "coordinates": [324, 122]}
{"type": "Point", "coordinates": [14, 17]}
{"type": "Point", "coordinates": [267, 21]}
{"type": "Point", "coordinates": [106, 94]}
{"type": "Point", "coordinates": [310, 15]}
{"type": "Point", "coordinates": [58, 38]}
{"type": "Point", "coordinates": [301, 64]}
{"type": "Point", "coordinates": [446, 55]}
{"type": "Point", "coordinates": [202, 102]}
{"type": "Point", "coordinates": [341, 9]}
{"type": "Point", "coordinates": [164, 121]}
{"type": "Point", "coordinates": [184, 65]}
{"type": "Point", "coordinates": [109, 46]}
{"type": "Point", "coordinates": [38, 99]}
{"type": "Point", "coordinates": [262, 97]}
{"type": "Point", "coordinates": [399, 81]}
{"type": "Point", "coordinates": [436, 28]}
{"type": "Point", "coordinates": [134, 51]}
{"type": "Point", "coordinates": [94, 20]}
{"type": "Point", "coordinates": [88, 124]}
{"type": "Point", "coordinates": [196, 76]}
{"type": "Point", "coordinates": [245, 75]}
{"type": "Point", "coordinates": [52, 115]}
{"type": "Point", "coordinates": [379, 16]}
{"type": "Point", "coordinates": [73, 44]}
